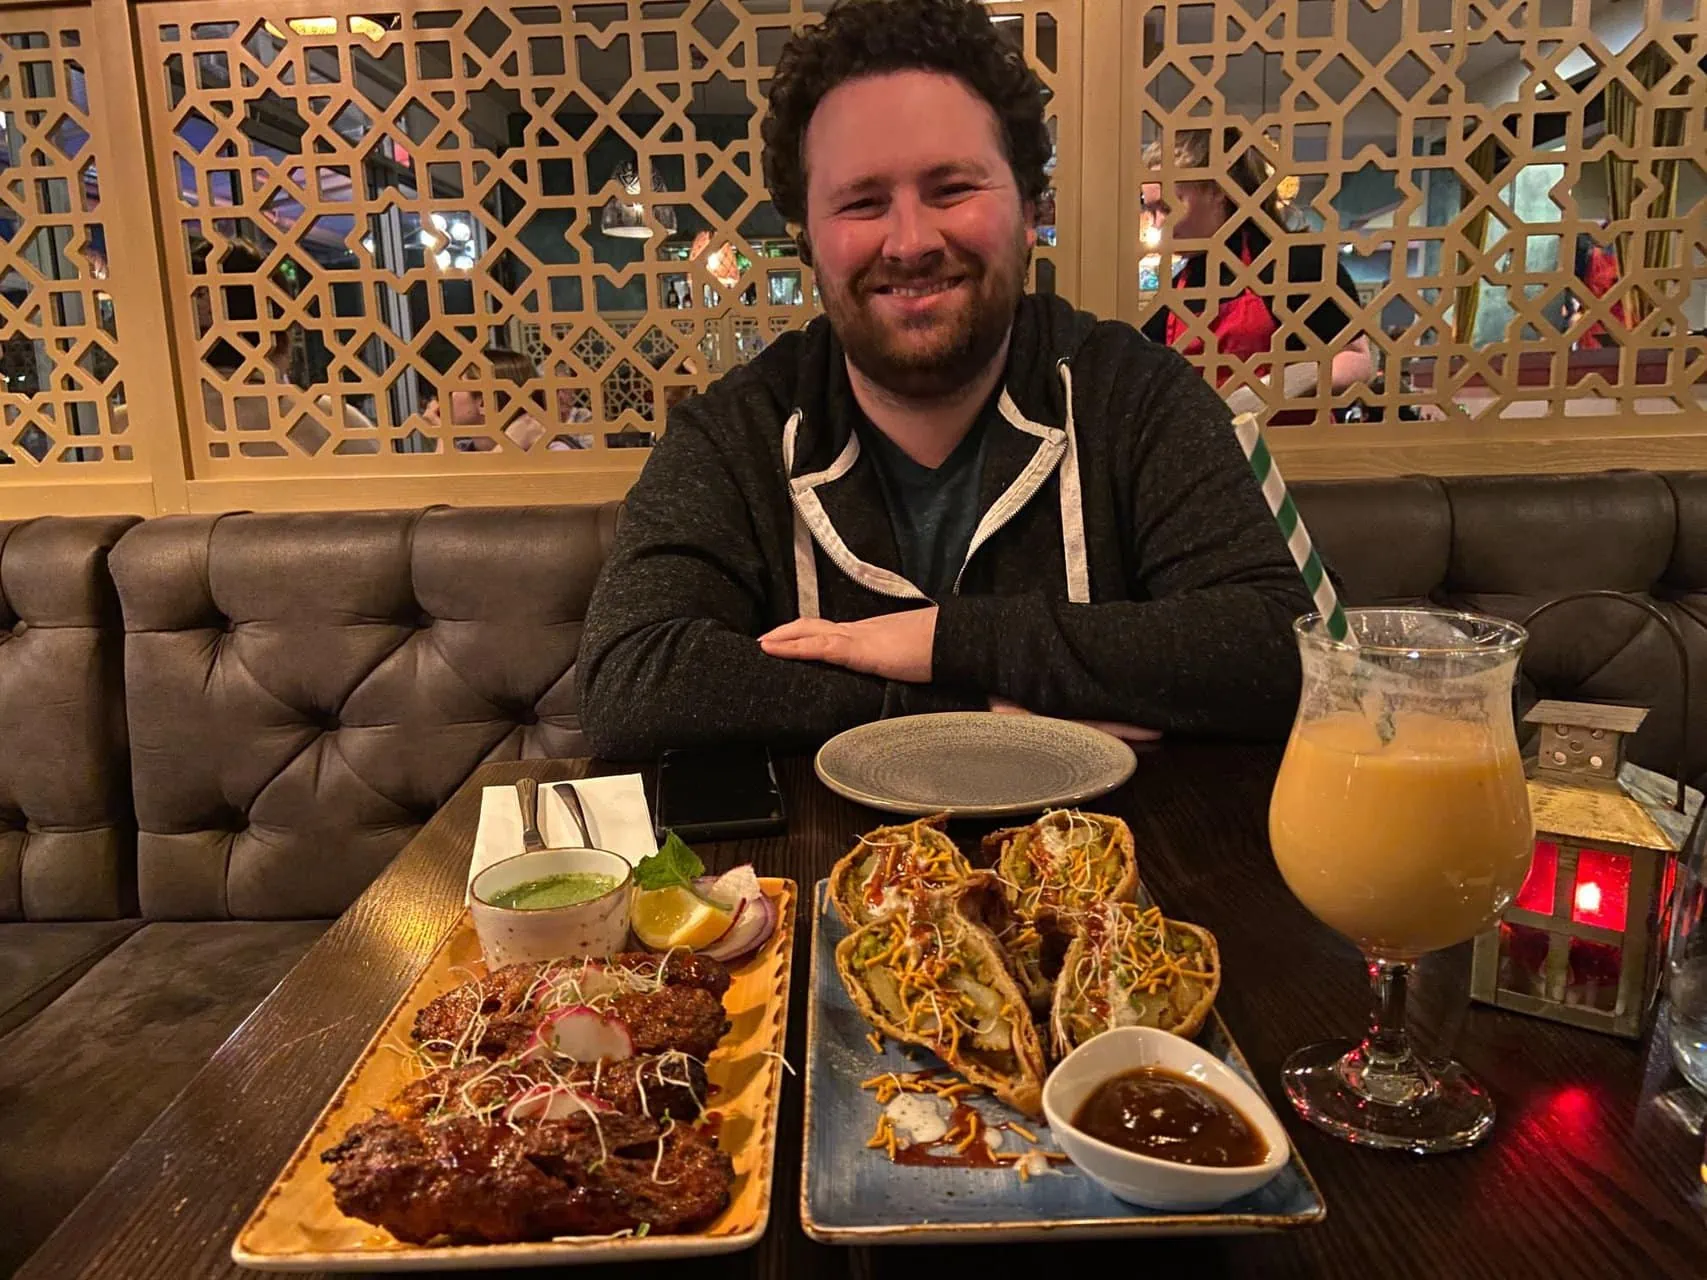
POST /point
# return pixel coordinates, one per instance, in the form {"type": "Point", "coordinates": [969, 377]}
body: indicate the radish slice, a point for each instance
{"type": "Point", "coordinates": [747, 935]}
{"type": "Point", "coordinates": [754, 918]}
{"type": "Point", "coordinates": [598, 979]}
{"type": "Point", "coordinates": [554, 1102]}
{"type": "Point", "coordinates": [583, 1034]}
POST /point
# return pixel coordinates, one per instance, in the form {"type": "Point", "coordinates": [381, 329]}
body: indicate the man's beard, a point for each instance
{"type": "Point", "coordinates": [929, 365]}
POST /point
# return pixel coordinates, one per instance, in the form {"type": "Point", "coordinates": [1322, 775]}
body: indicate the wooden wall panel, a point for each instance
{"type": "Point", "coordinates": [63, 407]}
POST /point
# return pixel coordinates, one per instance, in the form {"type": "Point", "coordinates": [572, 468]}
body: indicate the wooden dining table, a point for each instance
{"type": "Point", "coordinates": [1590, 1170]}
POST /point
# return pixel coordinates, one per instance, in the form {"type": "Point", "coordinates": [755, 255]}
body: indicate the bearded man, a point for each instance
{"type": "Point", "coordinates": [945, 493]}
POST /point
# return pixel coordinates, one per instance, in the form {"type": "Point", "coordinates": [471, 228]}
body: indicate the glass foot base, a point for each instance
{"type": "Point", "coordinates": [1447, 1110]}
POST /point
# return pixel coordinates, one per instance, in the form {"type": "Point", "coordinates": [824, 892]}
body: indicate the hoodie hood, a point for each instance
{"type": "Point", "coordinates": [806, 370]}
{"type": "Point", "coordinates": [839, 507]}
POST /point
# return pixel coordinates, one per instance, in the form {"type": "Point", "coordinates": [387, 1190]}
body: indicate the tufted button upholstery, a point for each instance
{"type": "Point", "coordinates": [329, 679]}
{"type": "Point", "coordinates": [305, 689]}
{"type": "Point", "coordinates": [66, 837]}
{"type": "Point", "coordinates": [1506, 545]}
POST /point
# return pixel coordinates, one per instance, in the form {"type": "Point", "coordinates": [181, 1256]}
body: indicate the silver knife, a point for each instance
{"type": "Point", "coordinates": [567, 791]}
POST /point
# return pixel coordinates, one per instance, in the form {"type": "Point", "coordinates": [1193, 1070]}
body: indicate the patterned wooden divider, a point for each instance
{"type": "Point", "coordinates": [68, 329]}
{"type": "Point", "coordinates": [408, 253]}
{"type": "Point", "coordinates": [493, 242]}
{"type": "Point", "coordinates": [1481, 151]}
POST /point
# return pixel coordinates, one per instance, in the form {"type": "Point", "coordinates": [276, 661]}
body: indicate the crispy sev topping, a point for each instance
{"type": "Point", "coordinates": [905, 861]}
{"type": "Point", "coordinates": [1068, 860]}
{"type": "Point", "coordinates": [890, 1083]}
{"type": "Point", "coordinates": [968, 1129]}
{"type": "Point", "coordinates": [935, 984]}
{"type": "Point", "coordinates": [1127, 952]}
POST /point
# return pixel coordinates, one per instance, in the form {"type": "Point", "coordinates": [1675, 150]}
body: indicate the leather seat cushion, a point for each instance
{"type": "Point", "coordinates": [67, 837]}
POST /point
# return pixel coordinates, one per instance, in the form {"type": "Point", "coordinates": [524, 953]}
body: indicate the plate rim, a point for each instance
{"type": "Point", "coordinates": [888, 804]}
{"type": "Point", "coordinates": [1186, 1224]}
{"type": "Point", "coordinates": [538, 1253]}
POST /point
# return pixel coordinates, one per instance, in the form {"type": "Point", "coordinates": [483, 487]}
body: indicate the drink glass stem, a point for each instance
{"type": "Point", "coordinates": [1384, 1068]}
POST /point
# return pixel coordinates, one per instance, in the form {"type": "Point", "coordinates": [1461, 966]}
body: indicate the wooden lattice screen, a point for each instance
{"type": "Point", "coordinates": [549, 219]}
{"type": "Point", "coordinates": [1472, 165]}
{"type": "Point", "coordinates": [396, 255]}
{"type": "Point", "coordinates": [64, 398]}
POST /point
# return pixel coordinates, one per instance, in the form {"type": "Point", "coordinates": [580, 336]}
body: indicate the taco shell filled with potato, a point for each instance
{"type": "Point", "coordinates": [892, 863]}
{"type": "Point", "coordinates": [928, 976]}
{"type": "Point", "coordinates": [1130, 967]}
{"type": "Point", "coordinates": [1065, 861]}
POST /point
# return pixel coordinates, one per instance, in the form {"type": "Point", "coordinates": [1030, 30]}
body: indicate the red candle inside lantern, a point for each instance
{"type": "Point", "coordinates": [1602, 894]}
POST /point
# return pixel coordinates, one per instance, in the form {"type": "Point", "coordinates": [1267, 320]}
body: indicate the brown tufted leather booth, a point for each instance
{"type": "Point", "coordinates": [67, 840]}
{"type": "Point", "coordinates": [1506, 545]}
{"type": "Point", "coordinates": [305, 690]}
{"type": "Point", "coordinates": [67, 837]}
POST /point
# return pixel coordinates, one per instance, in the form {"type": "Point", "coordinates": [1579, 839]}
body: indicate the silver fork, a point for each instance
{"type": "Point", "coordinates": [527, 791]}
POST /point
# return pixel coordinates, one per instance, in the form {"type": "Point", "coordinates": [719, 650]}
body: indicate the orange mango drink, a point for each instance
{"type": "Point", "coordinates": [1405, 845]}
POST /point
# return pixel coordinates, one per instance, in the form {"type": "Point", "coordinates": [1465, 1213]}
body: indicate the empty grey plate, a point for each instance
{"type": "Point", "coordinates": [976, 764]}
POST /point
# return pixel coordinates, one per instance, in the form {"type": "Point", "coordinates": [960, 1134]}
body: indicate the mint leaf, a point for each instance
{"type": "Point", "coordinates": [675, 863]}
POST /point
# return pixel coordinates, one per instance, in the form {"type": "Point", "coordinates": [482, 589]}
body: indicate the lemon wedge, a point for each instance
{"type": "Point", "coordinates": [676, 917]}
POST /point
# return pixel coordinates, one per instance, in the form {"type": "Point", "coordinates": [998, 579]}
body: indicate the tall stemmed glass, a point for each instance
{"type": "Point", "coordinates": [1401, 819]}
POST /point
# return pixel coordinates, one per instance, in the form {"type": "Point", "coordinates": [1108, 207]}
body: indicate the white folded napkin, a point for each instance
{"type": "Point", "coordinates": [618, 816]}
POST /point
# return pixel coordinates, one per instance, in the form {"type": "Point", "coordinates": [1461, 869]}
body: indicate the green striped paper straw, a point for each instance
{"type": "Point", "coordinates": [1291, 525]}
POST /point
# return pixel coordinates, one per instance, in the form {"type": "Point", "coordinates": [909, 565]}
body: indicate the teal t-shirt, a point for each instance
{"type": "Point", "coordinates": [933, 510]}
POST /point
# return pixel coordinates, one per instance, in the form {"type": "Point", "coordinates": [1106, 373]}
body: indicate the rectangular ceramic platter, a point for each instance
{"type": "Point", "coordinates": [853, 1195]}
{"type": "Point", "coordinates": [297, 1227]}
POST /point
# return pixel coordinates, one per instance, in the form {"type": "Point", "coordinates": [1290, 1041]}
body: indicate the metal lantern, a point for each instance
{"type": "Point", "coordinates": [1582, 941]}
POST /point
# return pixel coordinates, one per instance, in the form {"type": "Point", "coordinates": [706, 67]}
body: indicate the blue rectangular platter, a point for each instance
{"type": "Point", "coordinates": [851, 1194]}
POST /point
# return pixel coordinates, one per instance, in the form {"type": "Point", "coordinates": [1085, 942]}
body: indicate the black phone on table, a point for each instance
{"type": "Point", "coordinates": [723, 793]}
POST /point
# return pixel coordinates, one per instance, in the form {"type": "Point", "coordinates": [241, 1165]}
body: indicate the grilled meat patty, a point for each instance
{"type": "Point", "coordinates": [672, 1085]}
{"type": "Point", "coordinates": [512, 999]}
{"type": "Point", "coordinates": [686, 1018]}
{"type": "Point", "coordinates": [465, 1181]}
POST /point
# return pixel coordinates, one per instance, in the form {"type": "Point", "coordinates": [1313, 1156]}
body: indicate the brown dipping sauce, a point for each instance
{"type": "Point", "coordinates": [1162, 1114]}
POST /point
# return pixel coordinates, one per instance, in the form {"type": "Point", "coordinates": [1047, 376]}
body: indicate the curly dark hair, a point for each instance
{"type": "Point", "coordinates": [869, 37]}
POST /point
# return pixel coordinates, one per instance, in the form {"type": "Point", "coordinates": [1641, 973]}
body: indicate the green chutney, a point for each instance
{"type": "Point", "coordinates": [562, 890]}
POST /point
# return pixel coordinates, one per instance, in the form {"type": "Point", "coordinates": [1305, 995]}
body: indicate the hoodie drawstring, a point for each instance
{"type": "Point", "coordinates": [805, 558]}
{"type": "Point", "coordinates": [1072, 506]}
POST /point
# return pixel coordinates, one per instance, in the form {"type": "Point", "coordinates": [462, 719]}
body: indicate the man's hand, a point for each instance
{"type": "Point", "coordinates": [1127, 732]}
{"type": "Point", "coordinates": [896, 646]}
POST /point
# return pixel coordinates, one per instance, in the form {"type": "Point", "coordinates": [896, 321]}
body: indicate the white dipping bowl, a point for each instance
{"type": "Point", "coordinates": [1144, 1180]}
{"type": "Point", "coordinates": [596, 927]}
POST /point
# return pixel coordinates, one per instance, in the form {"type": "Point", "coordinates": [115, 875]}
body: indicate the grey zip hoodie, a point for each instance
{"type": "Point", "coordinates": [1125, 566]}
